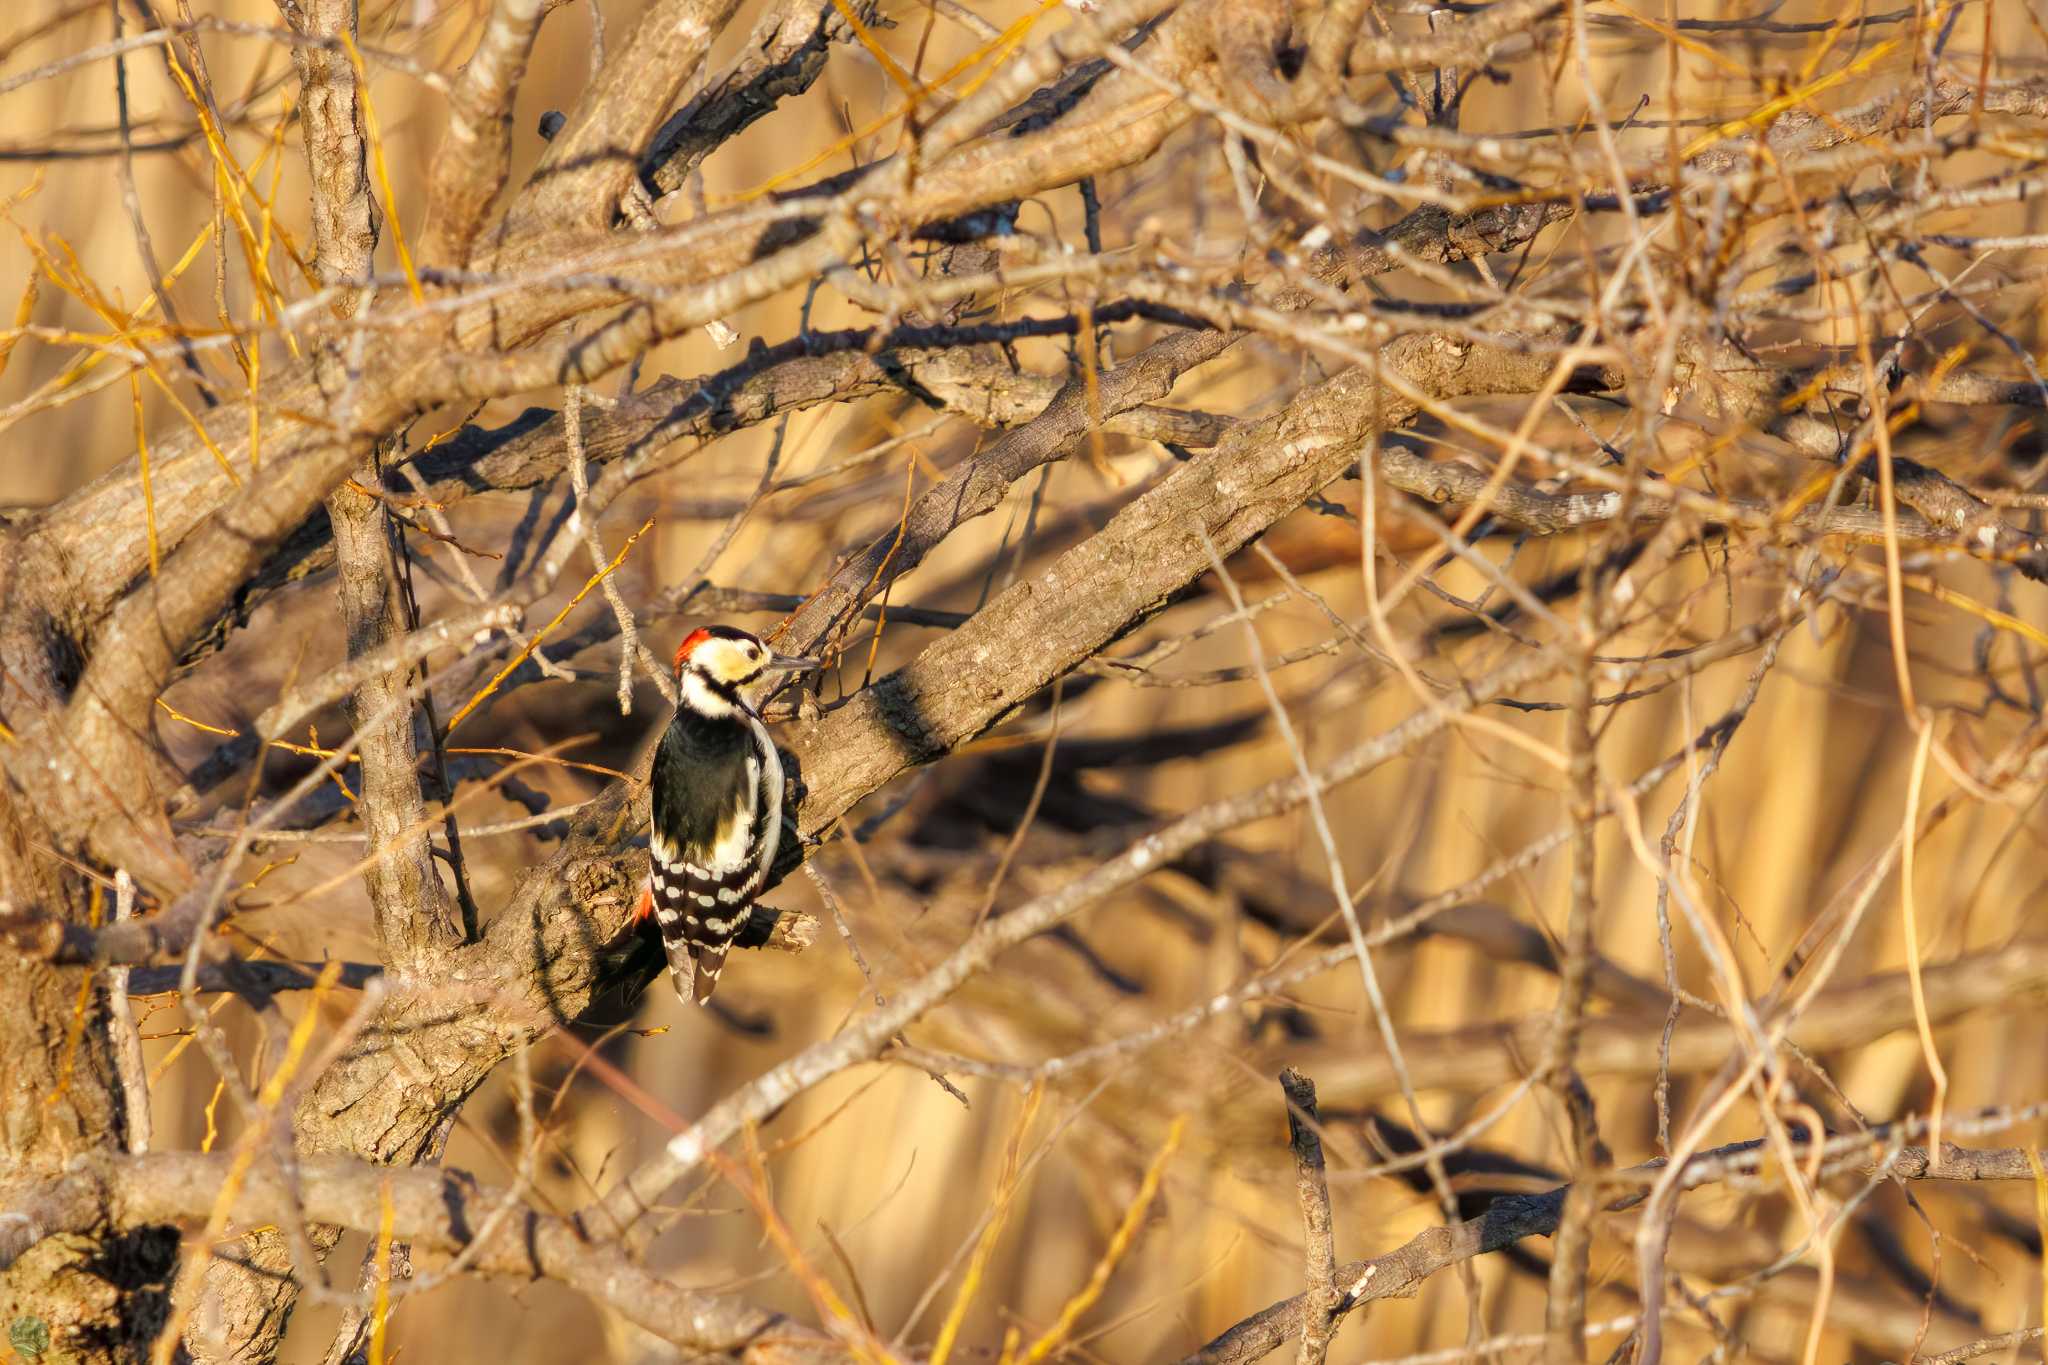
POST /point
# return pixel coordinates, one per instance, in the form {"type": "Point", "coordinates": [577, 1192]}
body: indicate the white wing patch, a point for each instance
{"type": "Point", "coordinates": [732, 849]}
{"type": "Point", "coordinates": [768, 793]}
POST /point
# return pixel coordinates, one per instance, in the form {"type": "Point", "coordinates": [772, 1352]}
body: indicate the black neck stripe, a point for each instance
{"type": "Point", "coordinates": [729, 692]}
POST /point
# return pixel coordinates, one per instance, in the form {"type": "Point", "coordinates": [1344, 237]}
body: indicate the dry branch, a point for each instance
{"type": "Point", "coordinates": [1512, 1218]}
{"type": "Point", "coordinates": [1326, 230]}
{"type": "Point", "coordinates": [434, 1209]}
{"type": "Point", "coordinates": [1494, 1054]}
{"type": "Point", "coordinates": [1312, 1188]}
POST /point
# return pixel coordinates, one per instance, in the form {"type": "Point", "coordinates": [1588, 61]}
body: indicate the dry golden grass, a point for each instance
{"type": "Point", "coordinates": [884, 1180]}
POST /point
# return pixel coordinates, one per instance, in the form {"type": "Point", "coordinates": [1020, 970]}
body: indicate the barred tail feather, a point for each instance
{"type": "Point", "coordinates": [662, 900]}
{"type": "Point", "coordinates": [710, 962]}
{"type": "Point", "coordinates": [699, 910]}
{"type": "Point", "coordinates": [680, 965]}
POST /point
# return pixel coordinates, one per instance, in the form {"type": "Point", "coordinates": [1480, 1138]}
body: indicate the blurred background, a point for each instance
{"type": "Point", "coordinates": [886, 1177]}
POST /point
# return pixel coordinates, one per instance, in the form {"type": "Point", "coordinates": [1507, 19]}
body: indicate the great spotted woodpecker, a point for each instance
{"type": "Point", "coordinates": [717, 797]}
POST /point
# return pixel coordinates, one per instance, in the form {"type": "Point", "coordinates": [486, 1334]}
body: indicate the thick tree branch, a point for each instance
{"type": "Point", "coordinates": [978, 486]}
{"type": "Point", "coordinates": [331, 117]}
{"type": "Point", "coordinates": [439, 1209]}
{"type": "Point", "coordinates": [413, 914]}
{"type": "Point", "coordinates": [1259, 473]}
{"type": "Point", "coordinates": [780, 59]}
{"type": "Point", "coordinates": [540, 960]}
{"type": "Point", "coordinates": [476, 150]}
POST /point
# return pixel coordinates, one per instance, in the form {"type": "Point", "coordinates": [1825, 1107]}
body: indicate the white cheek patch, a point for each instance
{"type": "Point", "coordinates": [700, 696]}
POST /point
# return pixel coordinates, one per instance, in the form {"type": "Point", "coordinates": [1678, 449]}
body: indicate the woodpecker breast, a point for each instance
{"type": "Point", "coordinates": [717, 806]}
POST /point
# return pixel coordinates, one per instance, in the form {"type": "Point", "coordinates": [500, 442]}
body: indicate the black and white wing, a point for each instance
{"type": "Point", "coordinates": [709, 833]}
{"type": "Point", "coordinates": [768, 808]}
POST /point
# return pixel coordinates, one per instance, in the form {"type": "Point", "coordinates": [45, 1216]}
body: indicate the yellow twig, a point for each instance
{"type": "Point", "coordinates": [76, 1032]}
{"type": "Point", "coordinates": [250, 1146]}
{"type": "Point", "coordinates": [1126, 1233]}
{"type": "Point", "coordinates": [859, 1340]}
{"type": "Point", "coordinates": [80, 287]}
{"type": "Point", "coordinates": [542, 633]}
{"type": "Point", "coordinates": [380, 1310]}
{"type": "Point", "coordinates": [376, 141]}
{"type": "Point", "coordinates": [142, 457]}
{"type": "Point", "coordinates": [977, 1265]}
{"type": "Point", "coordinates": [81, 365]}
{"type": "Point", "coordinates": [500, 752]}
{"type": "Point", "coordinates": [1771, 109]}
{"type": "Point", "coordinates": [902, 529]}
{"type": "Point", "coordinates": [302, 1034]}
{"type": "Point", "coordinates": [163, 1068]}
{"type": "Point", "coordinates": [335, 775]}
{"type": "Point", "coordinates": [311, 895]}
{"type": "Point", "coordinates": [1991, 616]}
{"type": "Point", "coordinates": [269, 216]}
{"type": "Point", "coordinates": [268, 868]}
{"type": "Point", "coordinates": [23, 311]}
{"type": "Point", "coordinates": [904, 81]}
{"type": "Point", "coordinates": [175, 714]}
{"type": "Point", "coordinates": [220, 1087]}
{"type": "Point", "coordinates": [1091, 381]}
{"type": "Point", "coordinates": [1697, 48]}
{"type": "Point", "coordinates": [237, 182]}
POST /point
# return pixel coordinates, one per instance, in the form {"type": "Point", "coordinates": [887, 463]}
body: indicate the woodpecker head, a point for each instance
{"type": "Point", "coordinates": [720, 664]}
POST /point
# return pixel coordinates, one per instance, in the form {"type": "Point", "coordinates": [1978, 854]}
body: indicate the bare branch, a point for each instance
{"type": "Point", "coordinates": [437, 1209]}
{"type": "Point", "coordinates": [1312, 1187]}
{"type": "Point", "coordinates": [476, 150]}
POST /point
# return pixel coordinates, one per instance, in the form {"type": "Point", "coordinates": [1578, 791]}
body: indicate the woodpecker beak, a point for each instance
{"type": "Point", "coordinates": [789, 664]}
